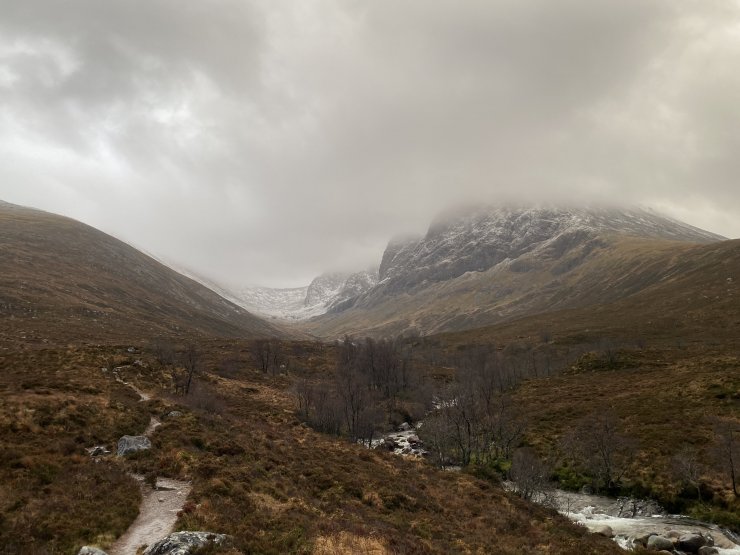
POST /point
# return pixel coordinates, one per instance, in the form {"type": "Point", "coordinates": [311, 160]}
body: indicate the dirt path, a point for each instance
{"type": "Point", "coordinates": [159, 506]}
{"type": "Point", "coordinates": [157, 515]}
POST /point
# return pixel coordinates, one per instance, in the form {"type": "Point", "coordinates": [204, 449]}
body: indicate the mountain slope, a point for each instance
{"type": "Point", "coordinates": [487, 266]}
{"type": "Point", "coordinates": [65, 280]}
{"type": "Point", "coordinates": [325, 293]}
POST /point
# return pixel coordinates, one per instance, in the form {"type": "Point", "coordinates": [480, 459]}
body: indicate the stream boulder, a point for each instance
{"type": "Point", "coordinates": [185, 543]}
{"type": "Point", "coordinates": [659, 543]}
{"type": "Point", "coordinates": [691, 543]}
{"type": "Point", "coordinates": [131, 444]}
{"type": "Point", "coordinates": [604, 530]}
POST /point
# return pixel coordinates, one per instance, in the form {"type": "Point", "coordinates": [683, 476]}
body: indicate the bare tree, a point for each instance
{"type": "Point", "coordinates": [262, 354]}
{"type": "Point", "coordinates": [190, 359]}
{"type": "Point", "coordinates": [598, 447]}
{"type": "Point", "coordinates": [727, 450]}
{"type": "Point", "coordinates": [688, 468]}
{"type": "Point", "coordinates": [530, 474]}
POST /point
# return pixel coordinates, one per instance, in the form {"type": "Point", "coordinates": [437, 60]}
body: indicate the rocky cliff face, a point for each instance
{"type": "Point", "coordinates": [324, 288]}
{"type": "Point", "coordinates": [478, 240]}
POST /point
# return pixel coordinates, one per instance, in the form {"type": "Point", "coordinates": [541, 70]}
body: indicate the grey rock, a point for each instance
{"type": "Point", "coordinates": [185, 543]}
{"type": "Point", "coordinates": [131, 444]}
{"type": "Point", "coordinates": [174, 414]}
{"type": "Point", "coordinates": [657, 543]}
{"type": "Point", "coordinates": [89, 550]}
{"type": "Point", "coordinates": [642, 540]}
{"type": "Point", "coordinates": [604, 530]}
{"type": "Point", "coordinates": [708, 550]}
{"type": "Point", "coordinates": [405, 427]}
{"type": "Point", "coordinates": [673, 534]}
{"type": "Point", "coordinates": [691, 543]}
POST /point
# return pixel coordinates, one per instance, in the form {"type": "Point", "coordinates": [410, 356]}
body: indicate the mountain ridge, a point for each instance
{"type": "Point", "coordinates": [490, 264]}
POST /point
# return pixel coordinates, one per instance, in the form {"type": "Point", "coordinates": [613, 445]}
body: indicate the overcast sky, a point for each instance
{"type": "Point", "coordinates": [265, 142]}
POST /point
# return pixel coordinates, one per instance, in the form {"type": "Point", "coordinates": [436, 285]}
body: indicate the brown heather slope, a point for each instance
{"type": "Point", "coordinates": [666, 361]}
{"type": "Point", "coordinates": [258, 474]}
{"type": "Point", "coordinates": [601, 271]}
{"type": "Point", "coordinates": [61, 281]}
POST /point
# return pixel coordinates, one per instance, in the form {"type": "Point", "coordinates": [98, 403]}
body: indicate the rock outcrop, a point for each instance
{"type": "Point", "coordinates": [185, 543]}
{"type": "Point", "coordinates": [131, 444]}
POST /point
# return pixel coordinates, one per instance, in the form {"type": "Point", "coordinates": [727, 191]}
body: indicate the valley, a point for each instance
{"type": "Point", "coordinates": [504, 340]}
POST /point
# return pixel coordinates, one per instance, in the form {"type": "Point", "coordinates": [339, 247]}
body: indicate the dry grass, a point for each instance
{"type": "Point", "coordinates": [345, 543]}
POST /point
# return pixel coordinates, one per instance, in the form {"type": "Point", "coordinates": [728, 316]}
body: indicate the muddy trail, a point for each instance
{"type": "Point", "coordinates": [159, 504]}
{"type": "Point", "coordinates": [157, 515]}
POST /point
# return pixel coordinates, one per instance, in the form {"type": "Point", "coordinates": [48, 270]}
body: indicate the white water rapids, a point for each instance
{"type": "Point", "coordinates": [594, 512]}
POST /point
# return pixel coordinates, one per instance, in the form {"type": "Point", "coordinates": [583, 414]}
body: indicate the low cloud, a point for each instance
{"type": "Point", "coordinates": [263, 142]}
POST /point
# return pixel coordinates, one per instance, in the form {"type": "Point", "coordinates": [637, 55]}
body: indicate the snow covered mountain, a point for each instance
{"type": "Point", "coordinates": [301, 303]}
{"type": "Point", "coordinates": [489, 264]}
{"type": "Point", "coordinates": [478, 240]}
{"type": "Point", "coordinates": [468, 263]}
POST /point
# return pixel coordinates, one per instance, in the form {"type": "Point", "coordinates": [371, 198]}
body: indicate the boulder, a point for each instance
{"type": "Point", "coordinates": [174, 414]}
{"type": "Point", "coordinates": [658, 543]}
{"type": "Point", "coordinates": [708, 550]}
{"type": "Point", "coordinates": [390, 444]}
{"type": "Point", "coordinates": [131, 444]}
{"type": "Point", "coordinates": [185, 543]}
{"type": "Point", "coordinates": [691, 543]}
{"type": "Point", "coordinates": [642, 540]}
{"type": "Point", "coordinates": [673, 534]}
{"type": "Point", "coordinates": [405, 427]}
{"type": "Point", "coordinates": [89, 550]}
{"type": "Point", "coordinates": [604, 530]}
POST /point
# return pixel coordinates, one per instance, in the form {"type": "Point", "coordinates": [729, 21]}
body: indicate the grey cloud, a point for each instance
{"type": "Point", "coordinates": [266, 141]}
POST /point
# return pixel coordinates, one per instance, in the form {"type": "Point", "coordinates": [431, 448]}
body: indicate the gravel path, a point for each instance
{"type": "Point", "coordinates": [159, 506]}
{"type": "Point", "coordinates": [157, 515]}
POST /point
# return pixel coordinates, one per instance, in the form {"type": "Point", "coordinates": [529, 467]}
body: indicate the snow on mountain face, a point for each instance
{"type": "Point", "coordinates": [478, 240]}
{"type": "Point", "coordinates": [286, 304]}
{"type": "Point", "coordinates": [324, 288]}
{"type": "Point", "coordinates": [353, 287]}
{"type": "Point", "coordinates": [472, 241]}
{"type": "Point", "coordinates": [301, 303]}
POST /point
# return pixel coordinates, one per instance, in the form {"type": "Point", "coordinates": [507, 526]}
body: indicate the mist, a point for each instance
{"type": "Point", "coordinates": [266, 143]}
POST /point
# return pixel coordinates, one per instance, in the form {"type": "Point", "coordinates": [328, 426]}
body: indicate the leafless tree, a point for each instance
{"type": "Point", "coordinates": [688, 468]}
{"type": "Point", "coordinates": [190, 359]}
{"type": "Point", "coordinates": [597, 445]}
{"type": "Point", "coordinates": [727, 450]}
{"type": "Point", "coordinates": [262, 354]}
{"type": "Point", "coordinates": [530, 474]}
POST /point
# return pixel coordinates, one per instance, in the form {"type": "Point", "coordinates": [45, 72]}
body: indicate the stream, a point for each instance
{"type": "Point", "coordinates": [595, 512]}
{"type": "Point", "coordinates": [628, 519]}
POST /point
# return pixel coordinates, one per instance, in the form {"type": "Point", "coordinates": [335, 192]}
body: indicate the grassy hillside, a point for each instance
{"type": "Point", "coordinates": [63, 281]}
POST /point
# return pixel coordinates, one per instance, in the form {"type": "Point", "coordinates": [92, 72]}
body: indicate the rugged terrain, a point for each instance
{"type": "Point", "coordinates": [327, 292]}
{"type": "Point", "coordinates": [483, 267]}
{"type": "Point", "coordinates": [83, 313]}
